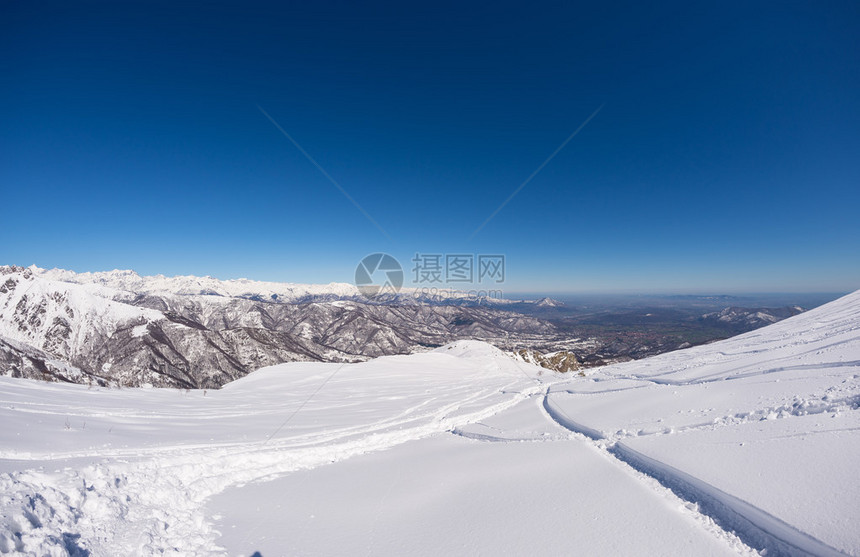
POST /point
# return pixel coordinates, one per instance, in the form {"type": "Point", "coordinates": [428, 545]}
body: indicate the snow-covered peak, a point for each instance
{"type": "Point", "coordinates": [60, 316]}
{"type": "Point", "coordinates": [189, 285]}
{"type": "Point", "coordinates": [286, 292]}
{"type": "Point", "coordinates": [548, 302]}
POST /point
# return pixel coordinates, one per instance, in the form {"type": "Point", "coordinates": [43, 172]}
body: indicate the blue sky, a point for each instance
{"type": "Point", "coordinates": [725, 157]}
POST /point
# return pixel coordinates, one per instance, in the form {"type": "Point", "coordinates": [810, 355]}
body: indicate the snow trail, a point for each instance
{"type": "Point", "coordinates": [153, 500]}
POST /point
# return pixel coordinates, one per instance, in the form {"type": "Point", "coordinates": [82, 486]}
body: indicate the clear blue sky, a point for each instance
{"type": "Point", "coordinates": [726, 156]}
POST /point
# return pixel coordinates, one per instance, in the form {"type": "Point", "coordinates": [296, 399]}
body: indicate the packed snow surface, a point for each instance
{"type": "Point", "coordinates": [735, 447]}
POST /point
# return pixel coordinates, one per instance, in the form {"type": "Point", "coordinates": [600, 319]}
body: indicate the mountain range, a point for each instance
{"type": "Point", "coordinates": [190, 332]}
{"type": "Point", "coordinates": [118, 328]}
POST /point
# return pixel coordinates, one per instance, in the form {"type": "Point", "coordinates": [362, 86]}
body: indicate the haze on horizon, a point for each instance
{"type": "Point", "coordinates": [622, 148]}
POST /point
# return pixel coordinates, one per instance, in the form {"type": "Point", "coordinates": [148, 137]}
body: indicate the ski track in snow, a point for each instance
{"type": "Point", "coordinates": [804, 367]}
{"type": "Point", "coordinates": [752, 524]}
{"type": "Point", "coordinates": [152, 501]}
{"type": "Point", "coordinates": [729, 516]}
{"type": "Point", "coordinates": [688, 505]}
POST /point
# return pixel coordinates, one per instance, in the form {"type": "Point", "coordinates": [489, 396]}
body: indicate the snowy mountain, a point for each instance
{"type": "Point", "coordinates": [548, 303]}
{"type": "Point", "coordinates": [129, 281]}
{"type": "Point", "coordinates": [730, 448]}
{"type": "Point", "coordinates": [121, 328]}
{"type": "Point", "coordinates": [282, 292]}
{"type": "Point", "coordinates": [747, 319]}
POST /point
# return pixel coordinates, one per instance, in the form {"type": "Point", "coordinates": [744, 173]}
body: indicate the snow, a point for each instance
{"type": "Point", "coordinates": [461, 497]}
{"type": "Point", "coordinates": [793, 473]}
{"type": "Point", "coordinates": [760, 428]}
{"type": "Point", "coordinates": [742, 445]}
{"type": "Point", "coordinates": [60, 301]}
{"type": "Point", "coordinates": [190, 285]}
{"type": "Point", "coordinates": [130, 470]}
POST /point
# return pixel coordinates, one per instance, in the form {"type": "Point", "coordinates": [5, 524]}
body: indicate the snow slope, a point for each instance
{"type": "Point", "coordinates": [742, 445]}
{"type": "Point", "coordinates": [761, 428]}
{"type": "Point", "coordinates": [446, 495]}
